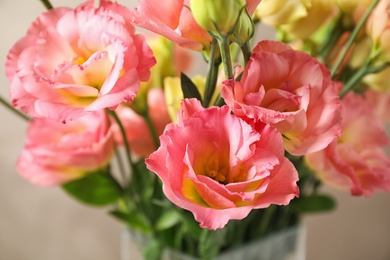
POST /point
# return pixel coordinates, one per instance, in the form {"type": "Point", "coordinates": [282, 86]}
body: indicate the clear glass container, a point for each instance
{"type": "Point", "coordinates": [287, 244]}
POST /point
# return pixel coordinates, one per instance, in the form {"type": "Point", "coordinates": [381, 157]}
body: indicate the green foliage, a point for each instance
{"type": "Point", "coordinates": [168, 219]}
{"type": "Point", "coordinates": [133, 219]}
{"type": "Point", "coordinates": [211, 242]}
{"type": "Point", "coordinates": [313, 204]}
{"type": "Point", "coordinates": [189, 88]}
{"type": "Point", "coordinates": [97, 189]}
{"type": "Point", "coordinates": [153, 250]}
{"type": "Point", "coordinates": [190, 226]}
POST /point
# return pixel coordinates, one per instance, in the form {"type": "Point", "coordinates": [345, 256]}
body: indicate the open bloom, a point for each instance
{"type": "Point", "coordinates": [220, 167]}
{"type": "Point", "coordinates": [55, 153]}
{"type": "Point", "coordinates": [72, 62]}
{"type": "Point", "coordinates": [137, 131]}
{"type": "Point", "coordinates": [356, 161]}
{"type": "Point", "coordinates": [290, 90]}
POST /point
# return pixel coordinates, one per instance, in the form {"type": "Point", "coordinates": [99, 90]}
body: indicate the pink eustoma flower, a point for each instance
{"type": "Point", "coordinates": [220, 167]}
{"type": "Point", "coordinates": [380, 102]}
{"type": "Point", "coordinates": [55, 153]}
{"type": "Point", "coordinates": [137, 132]}
{"type": "Point", "coordinates": [72, 62]}
{"type": "Point", "coordinates": [290, 90]}
{"type": "Point", "coordinates": [356, 161]}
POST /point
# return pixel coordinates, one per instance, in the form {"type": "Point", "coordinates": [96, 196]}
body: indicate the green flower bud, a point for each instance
{"type": "Point", "coordinates": [244, 29]}
{"type": "Point", "coordinates": [218, 17]}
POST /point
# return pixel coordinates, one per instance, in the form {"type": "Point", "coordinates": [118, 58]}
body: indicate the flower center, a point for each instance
{"type": "Point", "coordinates": [218, 171]}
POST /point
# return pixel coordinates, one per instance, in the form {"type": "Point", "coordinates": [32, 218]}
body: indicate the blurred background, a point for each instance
{"type": "Point", "coordinates": [45, 224]}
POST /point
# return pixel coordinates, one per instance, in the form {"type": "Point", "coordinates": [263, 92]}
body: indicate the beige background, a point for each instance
{"type": "Point", "coordinates": [45, 224]}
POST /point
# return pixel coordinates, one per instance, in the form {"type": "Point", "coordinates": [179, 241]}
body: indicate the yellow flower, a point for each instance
{"type": "Point", "coordinates": [162, 51]}
{"type": "Point", "coordinates": [350, 6]}
{"type": "Point", "coordinates": [174, 94]}
{"type": "Point", "coordinates": [297, 18]}
{"type": "Point", "coordinates": [278, 12]}
{"type": "Point", "coordinates": [379, 81]}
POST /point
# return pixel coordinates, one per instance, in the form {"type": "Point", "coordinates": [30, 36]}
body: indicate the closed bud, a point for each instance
{"type": "Point", "coordinates": [218, 17]}
{"type": "Point", "coordinates": [244, 29]}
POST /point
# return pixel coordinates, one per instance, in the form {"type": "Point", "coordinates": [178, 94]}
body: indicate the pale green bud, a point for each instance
{"type": "Point", "coordinates": [244, 29]}
{"type": "Point", "coordinates": [218, 17]}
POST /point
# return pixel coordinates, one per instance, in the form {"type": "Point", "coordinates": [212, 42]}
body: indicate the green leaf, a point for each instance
{"type": "Point", "coordinates": [153, 250]}
{"type": "Point", "coordinates": [314, 203]}
{"type": "Point", "coordinates": [97, 189]}
{"type": "Point", "coordinates": [190, 225]}
{"type": "Point", "coordinates": [146, 190]}
{"type": "Point", "coordinates": [188, 87]}
{"type": "Point", "coordinates": [210, 242]}
{"type": "Point", "coordinates": [168, 219]}
{"type": "Point", "coordinates": [133, 220]}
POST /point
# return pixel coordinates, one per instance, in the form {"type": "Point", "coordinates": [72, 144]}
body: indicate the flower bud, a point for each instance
{"type": "Point", "coordinates": [218, 17]}
{"type": "Point", "coordinates": [378, 29]}
{"type": "Point", "coordinates": [244, 29]}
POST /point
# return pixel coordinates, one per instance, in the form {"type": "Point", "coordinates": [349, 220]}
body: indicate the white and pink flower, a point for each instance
{"type": "Point", "coordinates": [220, 167]}
{"type": "Point", "coordinates": [55, 153]}
{"type": "Point", "coordinates": [290, 90]}
{"type": "Point", "coordinates": [74, 61]}
{"type": "Point", "coordinates": [356, 161]}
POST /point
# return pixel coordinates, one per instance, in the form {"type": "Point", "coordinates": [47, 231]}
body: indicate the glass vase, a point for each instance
{"type": "Point", "coordinates": [287, 244]}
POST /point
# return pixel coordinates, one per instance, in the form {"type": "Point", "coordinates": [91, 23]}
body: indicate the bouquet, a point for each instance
{"type": "Point", "coordinates": [202, 164]}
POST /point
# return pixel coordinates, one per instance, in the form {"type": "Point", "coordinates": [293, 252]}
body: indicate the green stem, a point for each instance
{"type": "Point", "coordinates": [352, 38]}
{"type": "Point", "coordinates": [152, 129]}
{"type": "Point", "coordinates": [227, 64]}
{"type": "Point", "coordinates": [226, 59]}
{"type": "Point", "coordinates": [120, 164]}
{"type": "Point", "coordinates": [350, 85]}
{"type": "Point", "coordinates": [47, 4]}
{"type": "Point", "coordinates": [212, 74]}
{"type": "Point", "coordinates": [125, 142]}
{"type": "Point", "coordinates": [331, 38]}
{"type": "Point", "coordinates": [11, 108]}
{"type": "Point", "coordinates": [117, 185]}
{"type": "Point", "coordinates": [266, 220]}
{"type": "Point", "coordinates": [246, 52]}
{"type": "Point", "coordinates": [219, 102]}
{"type": "Point", "coordinates": [363, 71]}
